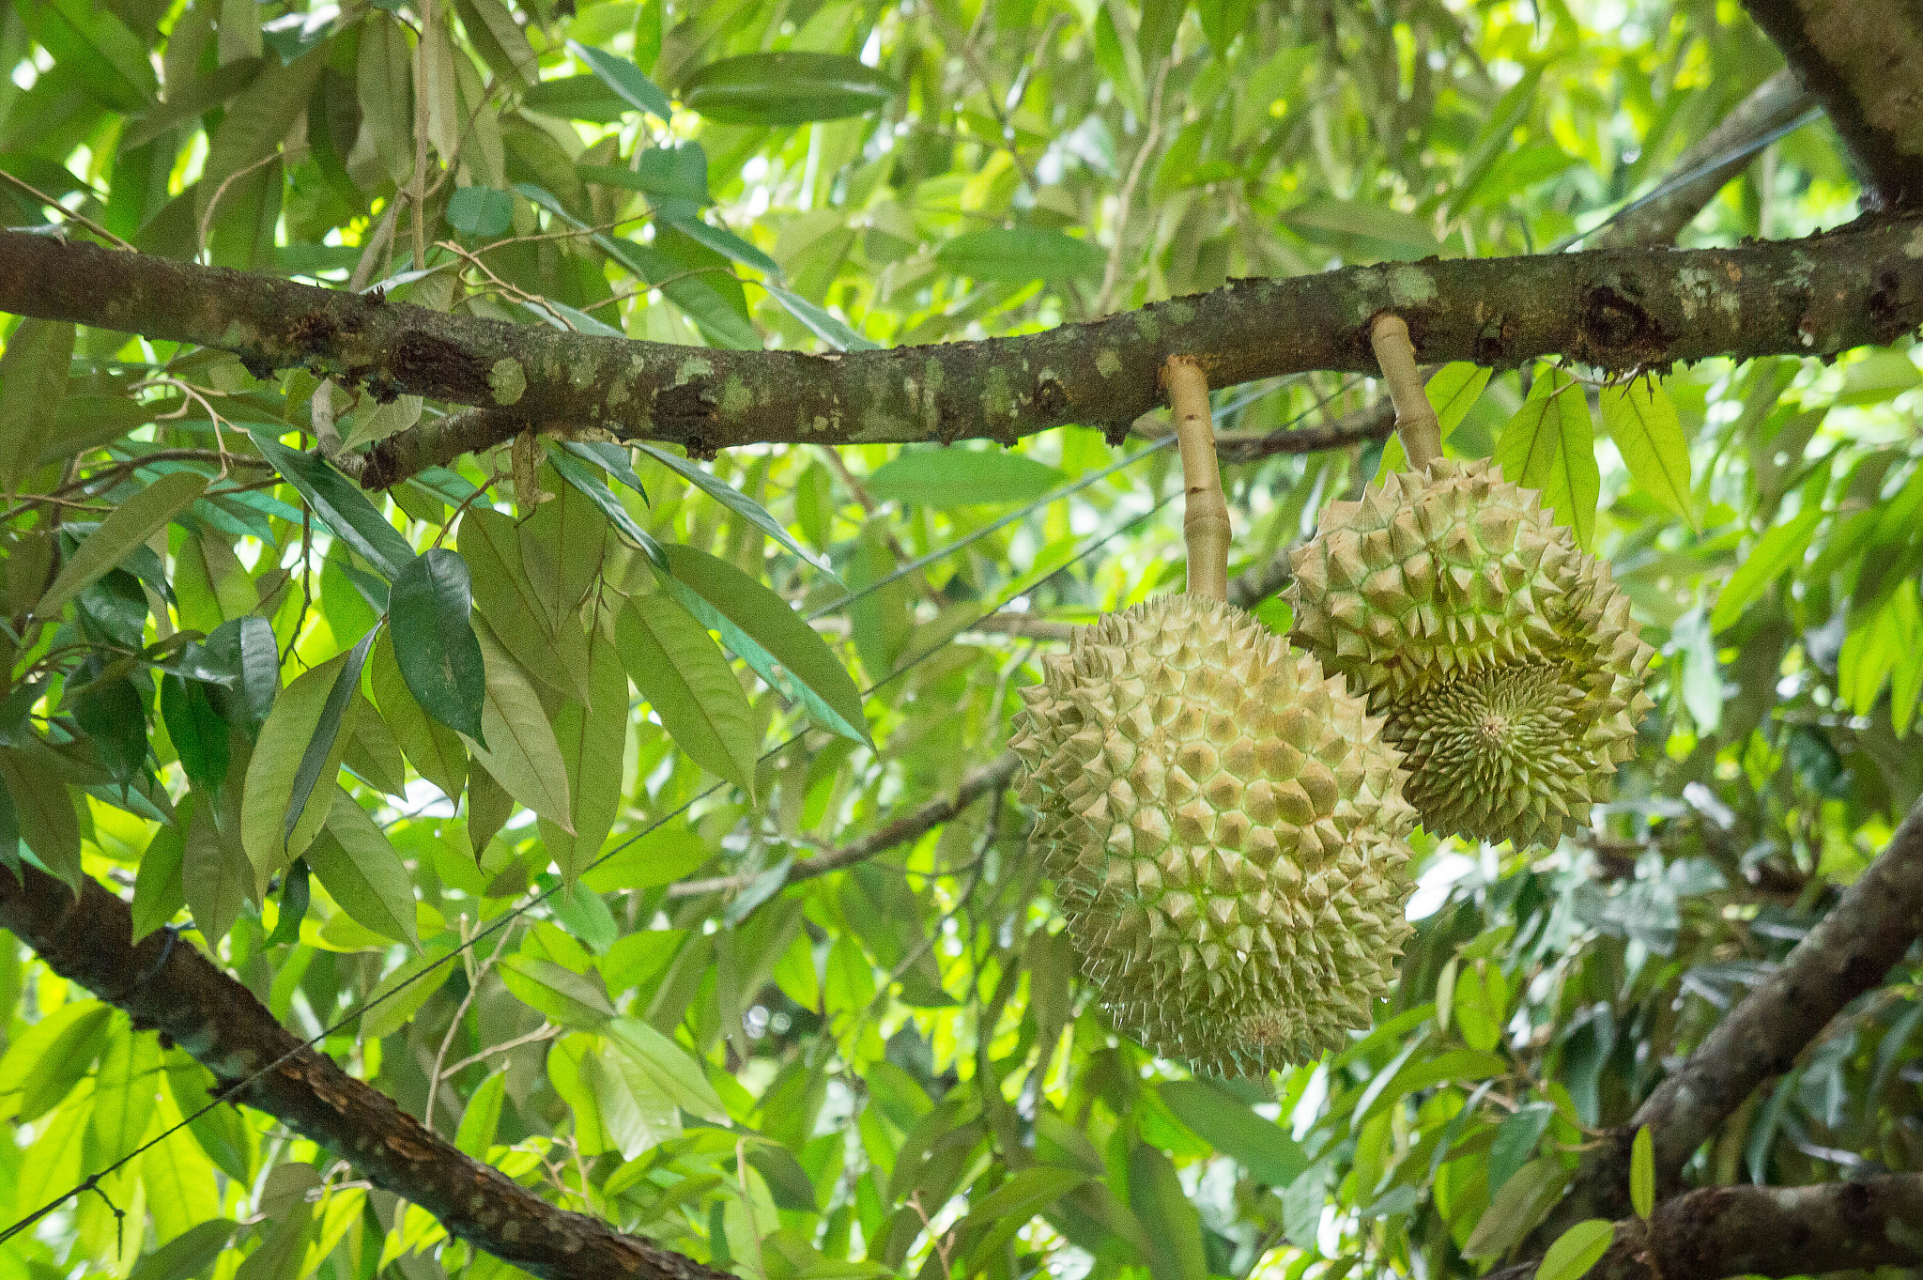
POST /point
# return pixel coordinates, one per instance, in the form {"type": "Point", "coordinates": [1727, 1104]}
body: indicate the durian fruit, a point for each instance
{"type": "Point", "coordinates": [1226, 829]}
{"type": "Point", "coordinates": [1502, 655]}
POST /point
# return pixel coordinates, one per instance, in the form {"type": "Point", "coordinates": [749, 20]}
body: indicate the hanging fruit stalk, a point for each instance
{"type": "Point", "coordinates": [1224, 823]}
{"type": "Point", "coordinates": [1416, 421]}
{"type": "Point", "coordinates": [1205, 517]}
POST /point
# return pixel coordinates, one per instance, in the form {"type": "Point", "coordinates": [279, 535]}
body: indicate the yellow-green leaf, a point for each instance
{"type": "Point", "coordinates": [1642, 1173]}
{"type": "Point", "coordinates": [1643, 423]}
{"type": "Point", "coordinates": [361, 871]}
{"type": "Point", "coordinates": [268, 795]}
{"type": "Point", "coordinates": [687, 680]}
{"type": "Point", "coordinates": [127, 526]}
{"type": "Point", "coordinates": [521, 753]}
{"type": "Point", "coordinates": [1576, 1250]}
{"type": "Point", "coordinates": [1549, 445]}
{"type": "Point", "coordinates": [1774, 552]}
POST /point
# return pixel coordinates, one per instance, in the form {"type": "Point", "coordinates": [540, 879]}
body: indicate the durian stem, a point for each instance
{"type": "Point", "coordinates": [1205, 522]}
{"type": "Point", "coordinates": [1415, 418]}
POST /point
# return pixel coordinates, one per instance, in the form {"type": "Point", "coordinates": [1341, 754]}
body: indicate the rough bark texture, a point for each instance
{"type": "Point", "coordinates": [1773, 104]}
{"type": "Point", "coordinates": [1767, 1231]}
{"type": "Point", "coordinates": [1848, 953]}
{"type": "Point", "coordinates": [1864, 62]}
{"type": "Point", "coordinates": [178, 991]}
{"type": "Point", "coordinates": [1615, 309]}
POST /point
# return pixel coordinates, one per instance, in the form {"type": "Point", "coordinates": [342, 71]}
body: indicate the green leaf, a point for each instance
{"type": "Point", "coordinates": [188, 1255]}
{"type": "Point", "coordinates": [636, 1115]}
{"type": "Point", "coordinates": [48, 1058]}
{"type": "Point", "coordinates": [1550, 446]}
{"type": "Point", "coordinates": [945, 478]}
{"type": "Point", "coordinates": [111, 62]}
{"type": "Point", "coordinates": [1362, 231]}
{"type": "Point", "coordinates": [267, 797]}
{"type": "Point", "coordinates": [124, 1094]}
{"type": "Point", "coordinates": [1642, 1173]}
{"type": "Point", "coordinates": [1640, 418]}
{"type": "Point", "coordinates": [994, 1219]}
{"type": "Point", "coordinates": [126, 527]}
{"type": "Point", "coordinates": [361, 871]}
{"type": "Point", "coordinates": [682, 673]}
{"type": "Point", "coordinates": [1017, 255]}
{"type": "Point", "coordinates": [44, 814]}
{"type": "Point", "coordinates": [1522, 1203]}
{"type": "Point", "coordinates": [499, 40]}
{"type": "Point", "coordinates": [1453, 390]}
{"type": "Point", "coordinates": [340, 505]}
{"type": "Point", "coordinates": [158, 895]}
{"type": "Point", "coordinates": [669, 1066]}
{"type": "Point", "coordinates": [570, 998]}
{"type": "Point", "coordinates": [720, 239]}
{"type": "Point", "coordinates": [735, 500]}
{"type": "Point", "coordinates": [33, 381]}
{"type": "Point", "coordinates": [578, 98]}
{"type": "Point", "coordinates": [769, 636]}
{"type": "Point", "coordinates": [1174, 1227]}
{"type": "Point", "coordinates": [598, 493]}
{"type": "Point", "coordinates": [627, 80]}
{"type": "Point", "coordinates": [507, 600]}
{"type": "Point", "coordinates": [216, 876]}
{"type": "Point", "coordinates": [592, 738]}
{"type": "Point", "coordinates": [295, 895]}
{"type": "Point", "coordinates": [1576, 1250]}
{"type": "Point", "coordinates": [482, 212]}
{"type": "Point", "coordinates": [435, 750]}
{"type": "Point", "coordinates": [1778, 550]}
{"type": "Point", "coordinates": [521, 752]}
{"type": "Point", "coordinates": [482, 1117]}
{"type": "Point", "coordinates": [1227, 1124]}
{"type": "Point", "coordinates": [820, 322]}
{"type": "Point", "coordinates": [789, 87]}
{"type": "Point", "coordinates": [321, 760]}
{"type": "Point", "coordinates": [434, 642]}
{"type": "Point", "coordinates": [675, 172]}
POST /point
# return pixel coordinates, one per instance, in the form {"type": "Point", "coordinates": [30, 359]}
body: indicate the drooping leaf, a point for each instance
{"type": "Point", "coordinates": [1642, 1173]}
{"type": "Point", "coordinates": [362, 872]}
{"type": "Point", "coordinates": [33, 381]}
{"type": "Point", "coordinates": [1232, 1128]}
{"type": "Point", "coordinates": [339, 504]}
{"type": "Point", "coordinates": [1550, 446]}
{"type": "Point", "coordinates": [521, 751]}
{"type": "Point", "coordinates": [189, 1254]}
{"type": "Point", "coordinates": [596, 492]}
{"type": "Point", "coordinates": [435, 750]}
{"type": "Point", "coordinates": [434, 642]}
{"type": "Point", "coordinates": [1644, 425]}
{"type": "Point", "coordinates": [686, 679]}
{"type": "Point", "coordinates": [126, 527]}
{"type": "Point", "coordinates": [321, 759]}
{"type": "Point", "coordinates": [788, 87]}
{"type": "Point", "coordinates": [736, 501]}
{"type": "Point", "coordinates": [295, 895]}
{"type": "Point", "coordinates": [43, 811]}
{"type": "Point", "coordinates": [273, 831]}
{"type": "Point", "coordinates": [768, 635]}
{"type": "Point", "coordinates": [592, 737]}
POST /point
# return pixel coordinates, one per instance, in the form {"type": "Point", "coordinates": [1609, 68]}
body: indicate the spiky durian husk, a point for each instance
{"type": "Point", "coordinates": [1225, 827]}
{"type": "Point", "coordinates": [1503, 656]}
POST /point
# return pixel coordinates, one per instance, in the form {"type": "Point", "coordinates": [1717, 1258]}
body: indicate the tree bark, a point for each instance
{"type": "Point", "coordinates": [1767, 1231]}
{"type": "Point", "coordinates": [1613, 309]}
{"type": "Point", "coordinates": [176, 990]}
{"type": "Point", "coordinates": [1864, 62]}
{"type": "Point", "coordinates": [1848, 953]}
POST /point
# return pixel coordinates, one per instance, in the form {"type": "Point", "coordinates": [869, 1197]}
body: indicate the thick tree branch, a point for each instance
{"type": "Point", "coordinates": [1767, 1231]}
{"type": "Point", "coordinates": [178, 991]}
{"type": "Point", "coordinates": [1771, 105]}
{"type": "Point", "coordinates": [1848, 953]}
{"type": "Point", "coordinates": [1864, 62]}
{"type": "Point", "coordinates": [1616, 309]}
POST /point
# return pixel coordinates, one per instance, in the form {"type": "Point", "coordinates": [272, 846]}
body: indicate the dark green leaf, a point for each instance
{"type": "Point", "coordinates": [735, 500]}
{"type": "Point", "coordinates": [434, 642]}
{"type": "Point", "coordinates": [790, 87]}
{"type": "Point", "coordinates": [596, 492]}
{"type": "Point", "coordinates": [1017, 255]}
{"type": "Point", "coordinates": [947, 477]}
{"type": "Point", "coordinates": [321, 748]}
{"type": "Point", "coordinates": [340, 504]}
{"type": "Point", "coordinates": [627, 80]}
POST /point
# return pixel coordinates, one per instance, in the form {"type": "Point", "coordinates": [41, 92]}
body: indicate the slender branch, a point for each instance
{"type": "Point", "coordinates": [1416, 419]}
{"type": "Point", "coordinates": [1615, 309]}
{"type": "Point", "coordinates": [989, 778]}
{"type": "Point", "coordinates": [1848, 953]}
{"type": "Point", "coordinates": [1767, 1231]}
{"type": "Point", "coordinates": [176, 990]}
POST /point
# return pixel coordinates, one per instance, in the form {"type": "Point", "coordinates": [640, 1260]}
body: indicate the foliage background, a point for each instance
{"type": "Point", "coordinates": [890, 1067]}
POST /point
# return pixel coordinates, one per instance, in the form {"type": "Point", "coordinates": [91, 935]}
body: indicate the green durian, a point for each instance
{"type": "Point", "coordinates": [1225, 826]}
{"type": "Point", "coordinates": [1503, 657]}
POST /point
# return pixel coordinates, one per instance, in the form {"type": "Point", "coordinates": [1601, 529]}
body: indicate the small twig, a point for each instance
{"type": "Point", "coordinates": [65, 212]}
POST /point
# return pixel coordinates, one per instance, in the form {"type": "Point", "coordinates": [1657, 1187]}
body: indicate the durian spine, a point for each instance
{"type": "Point", "coordinates": [1416, 420]}
{"type": "Point", "coordinates": [1205, 520]}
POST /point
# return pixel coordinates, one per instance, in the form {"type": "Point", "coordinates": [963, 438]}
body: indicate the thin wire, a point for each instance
{"type": "Point", "coordinates": [1735, 153]}
{"type": "Point", "coordinates": [225, 1094]}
